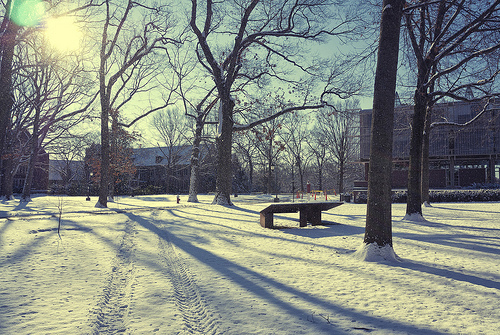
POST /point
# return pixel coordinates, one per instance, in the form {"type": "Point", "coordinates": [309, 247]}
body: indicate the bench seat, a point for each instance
{"type": "Point", "coordinates": [309, 212]}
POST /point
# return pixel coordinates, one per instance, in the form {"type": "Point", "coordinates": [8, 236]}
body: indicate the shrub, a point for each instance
{"type": "Point", "coordinates": [466, 195]}
{"type": "Point", "coordinates": [150, 189]}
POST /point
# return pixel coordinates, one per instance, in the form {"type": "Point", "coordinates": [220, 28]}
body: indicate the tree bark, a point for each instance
{"type": "Point", "coordinates": [341, 177]}
{"type": "Point", "coordinates": [28, 181]}
{"type": "Point", "coordinates": [223, 183]}
{"type": "Point", "coordinates": [270, 165]}
{"type": "Point", "coordinates": [8, 43]}
{"type": "Point", "coordinates": [104, 171]}
{"type": "Point", "coordinates": [414, 202]}
{"type": "Point", "coordinates": [8, 174]}
{"type": "Point", "coordinates": [425, 158]}
{"type": "Point", "coordinates": [194, 179]}
{"type": "Point", "coordinates": [379, 214]}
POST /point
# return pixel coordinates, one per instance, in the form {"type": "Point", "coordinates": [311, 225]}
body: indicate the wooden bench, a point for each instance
{"type": "Point", "coordinates": [309, 212]}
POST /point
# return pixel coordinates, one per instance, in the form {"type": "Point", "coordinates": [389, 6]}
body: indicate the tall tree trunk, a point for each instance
{"type": "Point", "coordinates": [341, 176]}
{"type": "Point", "coordinates": [113, 154]}
{"type": "Point", "coordinates": [7, 45]}
{"type": "Point", "coordinates": [414, 202]}
{"type": "Point", "coordinates": [422, 105]}
{"type": "Point", "coordinates": [269, 166]}
{"type": "Point", "coordinates": [301, 175]}
{"type": "Point", "coordinates": [425, 159]}
{"type": "Point", "coordinates": [194, 179]}
{"type": "Point", "coordinates": [250, 173]}
{"type": "Point", "coordinates": [33, 156]}
{"type": "Point", "coordinates": [223, 182]}
{"type": "Point", "coordinates": [379, 215]}
{"type": "Point", "coordinates": [8, 173]}
{"type": "Point", "coordinates": [320, 176]}
{"type": "Point", "coordinates": [105, 176]}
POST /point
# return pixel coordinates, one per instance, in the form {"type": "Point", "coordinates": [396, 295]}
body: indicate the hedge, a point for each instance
{"type": "Point", "coordinates": [468, 195]}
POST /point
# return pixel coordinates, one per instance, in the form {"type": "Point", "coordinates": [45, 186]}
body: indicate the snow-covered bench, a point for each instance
{"type": "Point", "coordinates": [309, 212]}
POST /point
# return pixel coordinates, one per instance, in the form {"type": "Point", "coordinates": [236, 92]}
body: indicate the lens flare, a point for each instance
{"type": "Point", "coordinates": [27, 13]}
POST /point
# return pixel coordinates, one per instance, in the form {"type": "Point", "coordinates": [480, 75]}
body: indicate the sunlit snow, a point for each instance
{"type": "Point", "coordinates": [148, 265]}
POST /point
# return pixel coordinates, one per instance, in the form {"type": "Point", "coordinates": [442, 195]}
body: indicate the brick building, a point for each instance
{"type": "Point", "coordinates": [459, 156]}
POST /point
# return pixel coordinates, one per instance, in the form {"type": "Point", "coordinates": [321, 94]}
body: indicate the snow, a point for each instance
{"type": "Point", "coordinates": [375, 253]}
{"type": "Point", "coordinates": [415, 217]}
{"type": "Point", "coordinates": [148, 265]}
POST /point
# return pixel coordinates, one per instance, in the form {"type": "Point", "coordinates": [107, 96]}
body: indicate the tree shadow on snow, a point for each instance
{"type": "Point", "coordinates": [269, 289]}
{"type": "Point", "coordinates": [486, 244]}
{"type": "Point", "coordinates": [326, 229]}
{"type": "Point", "coordinates": [446, 273]}
{"type": "Point", "coordinates": [464, 210]}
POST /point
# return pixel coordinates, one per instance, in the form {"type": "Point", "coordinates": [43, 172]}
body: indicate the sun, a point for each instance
{"type": "Point", "coordinates": [63, 34]}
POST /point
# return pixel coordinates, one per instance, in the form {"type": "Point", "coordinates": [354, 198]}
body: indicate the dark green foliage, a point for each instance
{"type": "Point", "coordinates": [149, 190]}
{"type": "Point", "coordinates": [466, 195]}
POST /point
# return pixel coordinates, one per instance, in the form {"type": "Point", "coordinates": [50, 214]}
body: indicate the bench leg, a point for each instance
{"type": "Point", "coordinates": [315, 217]}
{"type": "Point", "coordinates": [266, 220]}
{"type": "Point", "coordinates": [310, 215]}
{"type": "Point", "coordinates": [303, 218]}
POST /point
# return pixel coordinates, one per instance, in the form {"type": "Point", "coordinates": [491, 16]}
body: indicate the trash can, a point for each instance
{"type": "Point", "coordinates": [345, 197]}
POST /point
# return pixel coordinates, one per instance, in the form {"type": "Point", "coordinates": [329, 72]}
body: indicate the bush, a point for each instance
{"type": "Point", "coordinates": [489, 186]}
{"type": "Point", "coordinates": [466, 195]}
{"type": "Point", "coordinates": [478, 195]}
{"type": "Point", "coordinates": [150, 189]}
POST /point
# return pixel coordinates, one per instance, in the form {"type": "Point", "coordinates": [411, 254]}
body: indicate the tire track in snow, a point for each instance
{"type": "Point", "coordinates": [110, 314]}
{"type": "Point", "coordinates": [197, 317]}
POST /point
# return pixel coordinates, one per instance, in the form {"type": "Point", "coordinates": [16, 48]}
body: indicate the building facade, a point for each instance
{"type": "Point", "coordinates": [460, 156]}
{"type": "Point", "coordinates": [40, 174]}
{"type": "Point", "coordinates": [168, 169]}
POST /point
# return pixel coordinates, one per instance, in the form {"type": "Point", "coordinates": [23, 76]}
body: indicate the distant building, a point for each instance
{"type": "Point", "coordinates": [20, 159]}
{"type": "Point", "coordinates": [459, 156]}
{"type": "Point", "coordinates": [67, 177]}
{"type": "Point", "coordinates": [158, 170]}
{"type": "Point", "coordinates": [40, 174]}
{"type": "Point", "coordinates": [169, 169]}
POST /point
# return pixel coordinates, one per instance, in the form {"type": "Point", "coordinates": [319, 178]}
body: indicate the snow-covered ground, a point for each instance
{"type": "Point", "coordinates": [148, 265]}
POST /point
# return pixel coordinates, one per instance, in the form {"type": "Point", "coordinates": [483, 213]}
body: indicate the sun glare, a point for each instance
{"type": "Point", "coordinates": [27, 13]}
{"type": "Point", "coordinates": [63, 34]}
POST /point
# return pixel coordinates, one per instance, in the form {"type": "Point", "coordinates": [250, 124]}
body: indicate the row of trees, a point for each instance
{"type": "Point", "coordinates": [134, 48]}
{"type": "Point", "coordinates": [280, 155]}
{"type": "Point", "coordinates": [320, 147]}
{"type": "Point", "coordinates": [249, 63]}
{"type": "Point", "coordinates": [42, 96]}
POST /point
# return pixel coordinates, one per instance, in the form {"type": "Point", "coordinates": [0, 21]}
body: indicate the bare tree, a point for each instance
{"type": "Point", "coordinates": [47, 86]}
{"type": "Point", "coordinates": [259, 49]}
{"type": "Point", "coordinates": [269, 146]}
{"type": "Point", "coordinates": [172, 128]}
{"type": "Point", "coordinates": [451, 40]}
{"type": "Point", "coordinates": [41, 89]}
{"type": "Point", "coordinates": [186, 83]}
{"type": "Point", "coordinates": [295, 138]}
{"type": "Point", "coordinates": [247, 150]}
{"type": "Point", "coordinates": [130, 35]}
{"type": "Point", "coordinates": [378, 232]}
{"type": "Point", "coordinates": [338, 130]}
{"type": "Point", "coordinates": [68, 152]}
{"type": "Point", "coordinates": [200, 116]}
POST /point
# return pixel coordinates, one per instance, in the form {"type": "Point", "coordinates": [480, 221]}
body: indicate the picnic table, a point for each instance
{"type": "Point", "coordinates": [309, 212]}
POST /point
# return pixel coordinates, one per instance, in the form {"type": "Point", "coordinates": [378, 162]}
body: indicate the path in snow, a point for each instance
{"type": "Point", "coordinates": [113, 308]}
{"type": "Point", "coordinates": [196, 315]}
{"type": "Point", "coordinates": [115, 305]}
